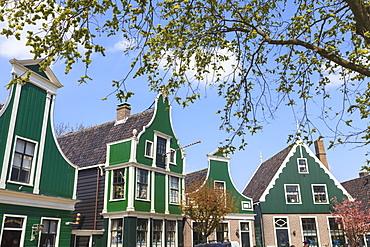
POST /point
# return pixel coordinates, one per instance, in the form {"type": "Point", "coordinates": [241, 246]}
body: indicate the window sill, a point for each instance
{"type": "Point", "coordinates": [20, 183]}
{"type": "Point", "coordinates": [142, 199]}
{"type": "Point", "coordinates": [117, 200]}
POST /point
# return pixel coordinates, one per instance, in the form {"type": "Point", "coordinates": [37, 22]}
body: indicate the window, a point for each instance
{"type": "Point", "coordinates": [244, 226]}
{"type": "Point", "coordinates": [302, 165]}
{"type": "Point", "coordinates": [49, 233]}
{"type": "Point", "coordinates": [161, 152]}
{"type": "Point", "coordinates": [219, 185]}
{"type": "Point", "coordinates": [141, 232]}
{"type": "Point", "coordinates": [149, 149]}
{"type": "Point", "coordinates": [142, 184]}
{"type": "Point", "coordinates": [171, 232]}
{"type": "Point", "coordinates": [197, 237]}
{"type": "Point", "coordinates": [310, 231]}
{"type": "Point", "coordinates": [116, 232]}
{"type": "Point", "coordinates": [173, 157]}
{"type": "Point", "coordinates": [222, 232]}
{"type": "Point", "coordinates": [13, 229]}
{"type": "Point", "coordinates": [22, 162]}
{"type": "Point", "coordinates": [319, 194]}
{"type": "Point", "coordinates": [174, 190]}
{"type": "Point", "coordinates": [336, 233]}
{"type": "Point", "coordinates": [157, 233]}
{"type": "Point", "coordinates": [292, 194]}
{"type": "Point", "coordinates": [119, 183]}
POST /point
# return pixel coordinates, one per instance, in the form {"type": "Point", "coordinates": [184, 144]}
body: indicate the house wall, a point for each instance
{"type": "Point", "coordinates": [234, 232]}
{"type": "Point", "coordinates": [294, 224]}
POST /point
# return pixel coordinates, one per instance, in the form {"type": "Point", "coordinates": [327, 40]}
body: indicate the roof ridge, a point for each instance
{"type": "Point", "coordinates": [103, 124]}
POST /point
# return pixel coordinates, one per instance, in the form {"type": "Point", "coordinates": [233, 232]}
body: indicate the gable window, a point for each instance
{"type": "Point", "coordinates": [336, 233]}
{"type": "Point", "coordinates": [310, 231]}
{"type": "Point", "coordinates": [22, 162]}
{"type": "Point", "coordinates": [173, 157]}
{"type": "Point", "coordinates": [142, 183]}
{"type": "Point", "coordinates": [174, 189]}
{"type": "Point", "coordinates": [171, 232]}
{"type": "Point", "coordinates": [13, 230]}
{"type": "Point", "coordinates": [157, 233]}
{"type": "Point", "coordinates": [161, 152]}
{"type": "Point", "coordinates": [292, 194]}
{"type": "Point", "coordinates": [116, 232]}
{"type": "Point", "coordinates": [119, 183]}
{"type": "Point", "coordinates": [49, 233]}
{"type": "Point", "coordinates": [302, 165]}
{"type": "Point", "coordinates": [222, 232]}
{"type": "Point", "coordinates": [220, 185]}
{"type": "Point", "coordinates": [149, 149]}
{"type": "Point", "coordinates": [141, 233]}
{"type": "Point", "coordinates": [319, 193]}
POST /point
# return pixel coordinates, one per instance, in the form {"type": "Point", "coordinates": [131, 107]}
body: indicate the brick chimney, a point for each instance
{"type": "Point", "coordinates": [363, 174]}
{"type": "Point", "coordinates": [123, 111]}
{"type": "Point", "coordinates": [320, 152]}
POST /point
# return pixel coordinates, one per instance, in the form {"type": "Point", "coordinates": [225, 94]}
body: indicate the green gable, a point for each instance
{"type": "Point", "coordinates": [274, 199]}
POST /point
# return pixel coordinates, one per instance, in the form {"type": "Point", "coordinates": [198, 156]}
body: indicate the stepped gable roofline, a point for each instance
{"type": "Point", "coordinates": [358, 188]}
{"type": "Point", "coordinates": [264, 174]}
{"type": "Point", "coordinates": [44, 79]}
{"type": "Point", "coordinates": [196, 177]}
{"type": "Point", "coordinates": [88, 147]}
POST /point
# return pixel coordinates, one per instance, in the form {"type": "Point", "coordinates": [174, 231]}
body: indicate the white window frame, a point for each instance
{"type": "Point", "coordinates": [178, 190]}
{"type": "Point", "coordinates": [168, 138]}
{"type": "Point", "coordinates": [246, 205]}
{"type": "Point", "coordinates": [148, 185]}
{"type": "Point", "coordinates": [316, 224]}
{"type": "Point", "coordinates": [151, 149]}
{"type": "Point", "coordinates": [110, 231]}
{"type": "Point", "coordinates": [219, 181]}
{"type": "Point", "coordinates": [162, 232]}
{"type": "Point", "coordinates": [58, 230]}
{"type": "Point", "coordinates": [148, 230]}
{"type": "Point", "coordinates": [33, 164]}
{"type": "Point", "coordinates": [298, 165]}
{"type": "Point", "coordinates": [228, 230]}
{"type": "Point", "coordinates": [326, 194]}
{"type": "Point", "coordinates": [175, 234]}
{"type": "Point", "coordinates": [172, 153]}
{"type": "Point", "coordinates": [112, 186]}
{"type": "Point", "coordinates": [330, 235]}
{"type": "Point", "coordinates": [299, 194]}
{"type": "Point", "coordinates": [23, 229]}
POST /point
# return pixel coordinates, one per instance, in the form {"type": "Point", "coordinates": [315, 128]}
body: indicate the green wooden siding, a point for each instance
{"type": "Point", "coordinates": [119, 153]}
{"type": "Point", "coordinates": [160, 199]}
{"type": "Point", "coordinates": [275, 200]}
{"type": "Point", "coordinates": [34, 217]}
{"type": "Point", "coordinates": [56, 180]}
{"type": "Point", "coordinates": [4, 125]}
{"type": "Point", "coordinates": [219, 171]}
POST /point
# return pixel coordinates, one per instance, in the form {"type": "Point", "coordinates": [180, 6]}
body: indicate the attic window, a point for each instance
{"type": "Point", "coordinates": [172, 155]}
{"type": "Point", "coordinates": [302, 165]}
{"type": "Point", "coordinates": [161, 152]}
{"type": "Point", "coordinates": [23, 161]}
{"type": "Point", "coordinates": [219, 185]}
{"type": "Point", "coordinates": [319, 194]}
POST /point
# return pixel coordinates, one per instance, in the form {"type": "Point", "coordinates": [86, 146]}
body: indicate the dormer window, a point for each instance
{"type": "Point", "coordinates": [23, 161]}
{"type": "Point", "coordinates": [161, 152]}
{"type": "Point", "coordinates": [302, 165]}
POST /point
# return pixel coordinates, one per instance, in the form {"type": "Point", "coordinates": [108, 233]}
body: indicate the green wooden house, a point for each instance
{"type": "Point", "coordinates": [144, 183]}
{"type": "Point", "coordinates": [237, 227]}
{"type": "Point", "coordinates": [37, 183]}
{"type": "Point", "coordinates": [130, 179]}
{"type": "Point", "coordinates": [292, 192]}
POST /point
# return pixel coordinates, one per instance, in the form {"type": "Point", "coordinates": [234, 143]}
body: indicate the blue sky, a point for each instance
{"type": "Point", "coordinates": [77, 104]}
